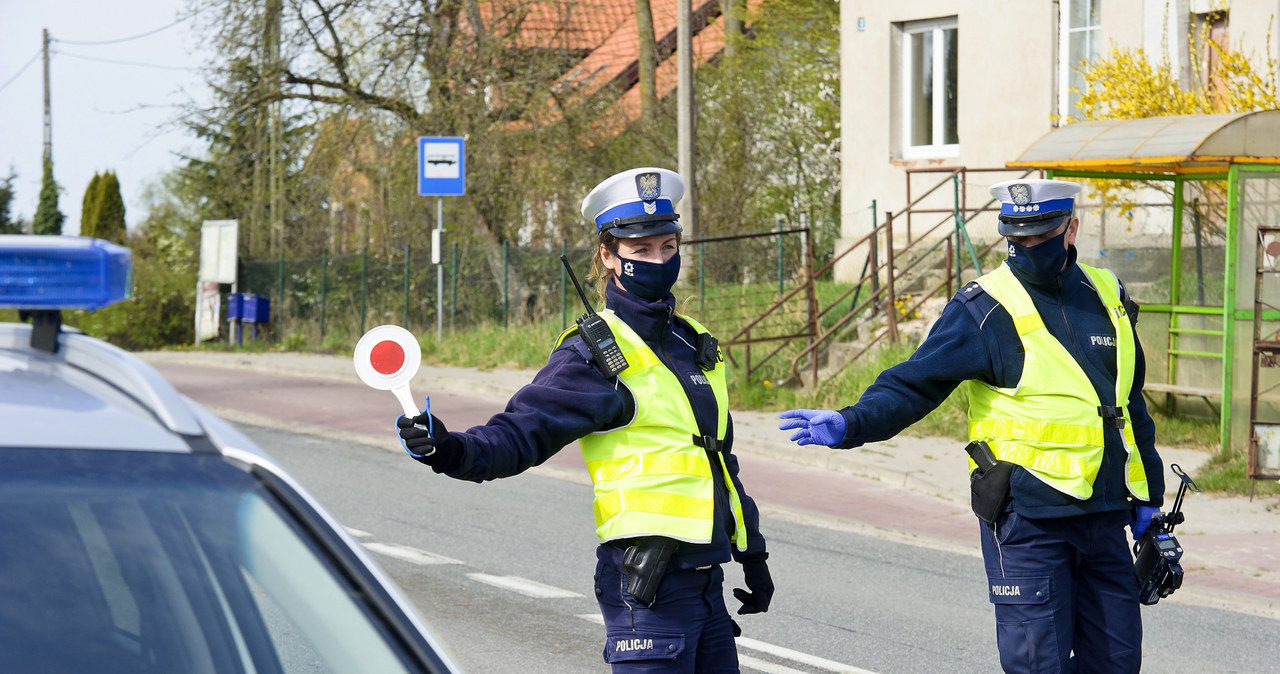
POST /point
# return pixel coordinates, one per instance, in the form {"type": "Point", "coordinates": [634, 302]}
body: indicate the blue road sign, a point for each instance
{"type": "Point", "coordinates": [442, 169]}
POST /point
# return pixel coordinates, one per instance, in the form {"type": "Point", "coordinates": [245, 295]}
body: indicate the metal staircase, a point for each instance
{"type": "Point", "coordinates": [930, 263]}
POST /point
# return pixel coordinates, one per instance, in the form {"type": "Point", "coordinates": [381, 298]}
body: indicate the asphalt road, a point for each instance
{"type": "Point", "coordinates": [502, 573]}
{"type": "Point", "coordinates": [870, 578]}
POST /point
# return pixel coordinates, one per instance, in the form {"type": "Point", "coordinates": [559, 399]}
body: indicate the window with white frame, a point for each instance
{"type": "Point", "coordinates": [1081, 44]}
{"type": "Point", "coordinates": [930, 76]}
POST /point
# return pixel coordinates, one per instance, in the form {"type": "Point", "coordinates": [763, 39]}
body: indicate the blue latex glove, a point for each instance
{"type": "Point", "coordinates": [823, 427]}
{"type": "Point", "coordinates": [1142, 519]}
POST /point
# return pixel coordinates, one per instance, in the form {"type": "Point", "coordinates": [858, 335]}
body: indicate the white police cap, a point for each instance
{"type": "Point", "coordinates": [635, 203]}
{"type": "Point", "coordinates": [1031, 206]}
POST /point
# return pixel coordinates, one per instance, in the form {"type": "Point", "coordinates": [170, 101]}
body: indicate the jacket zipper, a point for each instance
{"type": "Point", "coordinates": [717, 473]}
{"type": "Point", "coordinates": [1071, 334]}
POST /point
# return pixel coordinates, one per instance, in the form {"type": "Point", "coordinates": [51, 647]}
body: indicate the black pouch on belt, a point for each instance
{"type": "Point", "coordinates": [643, 564]}
{"type": "Point", "coordinates": [989, 484]}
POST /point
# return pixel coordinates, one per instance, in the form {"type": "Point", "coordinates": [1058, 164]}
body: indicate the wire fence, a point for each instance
{"type": "Point", "coordinates": [725, 282]}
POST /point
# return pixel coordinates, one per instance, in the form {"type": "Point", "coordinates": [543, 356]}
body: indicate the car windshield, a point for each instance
{"type": "Point", "coordinates": [155, 562]}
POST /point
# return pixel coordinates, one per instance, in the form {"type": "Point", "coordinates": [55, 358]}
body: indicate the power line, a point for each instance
{"type": "Point", "coordinates": [126, 39]}
{"type": "Point", "coordinates": [22, 69]}
{"type": "Point", "coordinates": [124, 63]}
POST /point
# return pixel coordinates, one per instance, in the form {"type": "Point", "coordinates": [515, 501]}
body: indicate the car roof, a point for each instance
{"type": "Point", "coordinates": [92, 395]}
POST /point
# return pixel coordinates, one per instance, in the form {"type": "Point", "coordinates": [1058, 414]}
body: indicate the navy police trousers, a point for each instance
{"type": "Point", "coordinates": [687, 629]}
{"type": "Point", "coordinates": [1065, 593]}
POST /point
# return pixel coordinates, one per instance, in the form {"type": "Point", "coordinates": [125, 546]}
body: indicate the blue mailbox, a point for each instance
{"type": "Point", "coordinates": [255, 309]}
{"type": "Point", "coordinates": [235, 306]}
{"type": "Point", "coordinates": [247, 308]}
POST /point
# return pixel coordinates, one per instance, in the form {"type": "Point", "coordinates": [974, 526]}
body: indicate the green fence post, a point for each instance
{"type": "Point", "coordinates": [364, 283]}
{"type": "Point", "coordinates": [324, 274]}
{"type": "Point", "coordinates": [779, 238]}
{"type": "Point", "coordinates": [962, 231]}
{"type": "Point", "coordinates": [1175, 284]}
{"type": "Point", "coordinates": [959, 261]}
{"type": "Point", "coordinates": [279, 296]}
{"type": "Point", "coordinates": [702, 285]}
{"type": "Point", "coordinates": [505, 299]}
{"type": "Point", "coordinates": [453, 296]}
{"type": "Point", "coordinates": [1229, 307]}
{"type": "Point", "coordinates": [564, 306]}
{"type": "Point", "coordinates": [406, 286]}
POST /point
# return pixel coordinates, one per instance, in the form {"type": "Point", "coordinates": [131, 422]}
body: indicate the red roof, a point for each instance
{"type": "Point", "coordinates": [581, 25]}
{"type": "Point", "coordinates": [606, 30]}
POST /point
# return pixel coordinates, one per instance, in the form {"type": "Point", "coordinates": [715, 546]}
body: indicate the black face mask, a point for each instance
{"type": "Point", "coordinates": [1041, 262]}
{"type": "Point", "coordinates": [649, 280]}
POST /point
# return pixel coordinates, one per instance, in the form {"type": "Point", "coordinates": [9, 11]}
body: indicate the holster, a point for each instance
{"type": "Point", "coordinates": [989, 484]}
{"type": "Point", "coordinates": [643, 564]}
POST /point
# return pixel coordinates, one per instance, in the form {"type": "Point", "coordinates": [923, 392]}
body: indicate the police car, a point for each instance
{"type": "Point", "coordinates": [139, 532]}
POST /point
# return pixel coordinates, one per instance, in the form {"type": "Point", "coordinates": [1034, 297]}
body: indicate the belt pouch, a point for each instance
{"type": "Point", "coordinates": [643, 564]}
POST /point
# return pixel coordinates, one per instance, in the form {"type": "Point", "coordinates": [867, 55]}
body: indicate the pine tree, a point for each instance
{"type": "Point", "coordinates": [109, 218]}
{"type": "Point", "coordinates": [48, 218]}
{"type": "Point", "coordinates": [89, 206]}
{"type": "Point", "coordinates": [8, 224]}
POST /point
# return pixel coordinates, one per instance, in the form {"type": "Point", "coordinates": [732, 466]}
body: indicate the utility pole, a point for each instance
{"type": "Point", "coordinates": [48, 114]}
{"type": "Point", "coordinates": [685, 120]}
{"type": "Point", "coordinates": [274, 129]}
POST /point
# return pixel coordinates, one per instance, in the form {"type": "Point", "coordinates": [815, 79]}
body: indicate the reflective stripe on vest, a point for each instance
{"type": "Point", "coordinates": [1049, 423]}
{"type": "Point", "coordinates": [648, 477]}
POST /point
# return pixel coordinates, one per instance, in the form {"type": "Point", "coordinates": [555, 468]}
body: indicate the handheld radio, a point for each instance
{"type": "Point", "coordinates": [1157, 553]}
{"type": "Point", "coordinates": [596, 333]}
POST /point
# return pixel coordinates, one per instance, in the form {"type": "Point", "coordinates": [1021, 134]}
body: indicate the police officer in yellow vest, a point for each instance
{"type": "Point", "coordinates": [656, 438]}
{"type": "Point", "coordinates": [1046, 350]}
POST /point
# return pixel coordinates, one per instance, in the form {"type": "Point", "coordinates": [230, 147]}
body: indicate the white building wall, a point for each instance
{"type": "Point", "coordinates": [1008, 88]}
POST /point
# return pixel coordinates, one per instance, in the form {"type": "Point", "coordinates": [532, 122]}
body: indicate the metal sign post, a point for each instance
{"type": "Point", "coordinates": [442, 172]}
{"type": "Point", "coordinates": [218, 239]}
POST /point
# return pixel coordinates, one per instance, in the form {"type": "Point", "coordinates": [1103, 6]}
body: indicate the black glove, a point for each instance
{"type": "Point", "coordinates": [756, 575]}
{"type": "Point", "coordinates": [434, 447]}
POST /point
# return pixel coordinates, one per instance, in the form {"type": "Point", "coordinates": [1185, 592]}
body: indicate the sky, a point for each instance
{"type": "Point", "coordinates": [109, 112]}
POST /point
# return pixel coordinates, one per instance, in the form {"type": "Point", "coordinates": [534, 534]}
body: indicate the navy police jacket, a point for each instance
{"type": "Point", "coordinates": [974, 338]}
{"type": "Point", "coordinates": [569, 398]}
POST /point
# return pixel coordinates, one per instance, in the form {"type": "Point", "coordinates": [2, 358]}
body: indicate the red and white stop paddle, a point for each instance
{"type": "Point", "coordinates": [387, 358]}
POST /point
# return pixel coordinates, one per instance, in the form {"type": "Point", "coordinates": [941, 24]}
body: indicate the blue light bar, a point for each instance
{"type": "Point", "coordinates": [63, 272]}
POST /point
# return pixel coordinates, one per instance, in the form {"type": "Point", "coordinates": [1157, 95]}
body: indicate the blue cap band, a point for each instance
{"type": "Point", "coordinates": [633, 208]}
{"type": "Point", "coordinates": [1042, 207]}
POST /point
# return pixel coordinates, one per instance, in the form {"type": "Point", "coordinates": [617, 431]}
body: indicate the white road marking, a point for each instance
{"type": "Point", "coordinates": [797, 656]}
{"type": "Point", "coordinates": [777, 651]}
{"type": "Point", "coordinates": [758, 665]}
{"type": "Point", "coordinates": [529, 588]}
{"type": "Point", "coordinates": [408, 554]}
{"type": "Point", "coordinates": [358, 533]}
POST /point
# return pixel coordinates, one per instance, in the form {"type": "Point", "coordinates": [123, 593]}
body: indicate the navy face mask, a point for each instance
{"type": "Point", "coordinates": [649, 280]}
{"type": "Point", "coordinates": [1041, 262]}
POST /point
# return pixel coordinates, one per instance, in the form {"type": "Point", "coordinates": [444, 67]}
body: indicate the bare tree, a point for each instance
{"type": "Point", "coordinates": [735, 13]}
{"type": "Point", "coordinates": [648, 61]}
{"type": "Point", "coordinates": [434, 68]}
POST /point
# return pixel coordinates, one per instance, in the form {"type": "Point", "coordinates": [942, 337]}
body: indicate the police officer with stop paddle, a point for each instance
{"type": "Point", "coordinates": [641, 388]}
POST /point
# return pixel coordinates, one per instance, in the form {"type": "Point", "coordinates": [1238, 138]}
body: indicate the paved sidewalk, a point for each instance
{"type": "Point", "coordinates": [1232, 543]}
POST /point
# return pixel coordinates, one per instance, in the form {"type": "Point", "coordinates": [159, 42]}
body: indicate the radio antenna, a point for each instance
{"type": "Point", "coordinates": [590, 311]}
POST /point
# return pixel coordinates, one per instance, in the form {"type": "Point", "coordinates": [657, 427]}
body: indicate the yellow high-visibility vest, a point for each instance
{"type": "Point", "coordinates": [648, 477]}
{"type": "Point", "coordinates": [1050, 424]}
